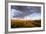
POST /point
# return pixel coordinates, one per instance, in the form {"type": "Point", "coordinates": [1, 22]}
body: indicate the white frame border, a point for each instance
{"type": "Point", "coordinates": [24, 29]}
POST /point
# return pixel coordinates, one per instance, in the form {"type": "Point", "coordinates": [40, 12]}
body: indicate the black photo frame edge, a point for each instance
{"type": "Point", "coordinates": [6, 15]}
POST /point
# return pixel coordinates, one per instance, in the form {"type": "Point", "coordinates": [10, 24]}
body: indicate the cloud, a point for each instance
{"type": "Point", "coordinates": [15, 13]}
{"type": "Point", "coordinates": [33, 16]}
{"type": "Point", "coordinates": [31, 12]}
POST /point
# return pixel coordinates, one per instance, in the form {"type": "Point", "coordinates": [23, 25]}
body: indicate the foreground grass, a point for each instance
{"type": "Point", "coordinates": [25, 23]}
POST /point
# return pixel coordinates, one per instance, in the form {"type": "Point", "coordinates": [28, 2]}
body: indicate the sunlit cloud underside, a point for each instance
{"type": "Point", "coordinates": [26, 12]}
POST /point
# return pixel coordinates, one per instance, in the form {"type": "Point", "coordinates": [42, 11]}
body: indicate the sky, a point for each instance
{"type": "Point", "coordinates": [26, 12]}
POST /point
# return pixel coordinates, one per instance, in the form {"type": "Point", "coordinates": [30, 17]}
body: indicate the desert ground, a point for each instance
{"type": "Point", "coordinates": [25, 23]}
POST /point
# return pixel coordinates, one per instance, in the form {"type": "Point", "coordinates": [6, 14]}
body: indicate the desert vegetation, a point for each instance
{"type": "Point", "coordinates": [25, 23]}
